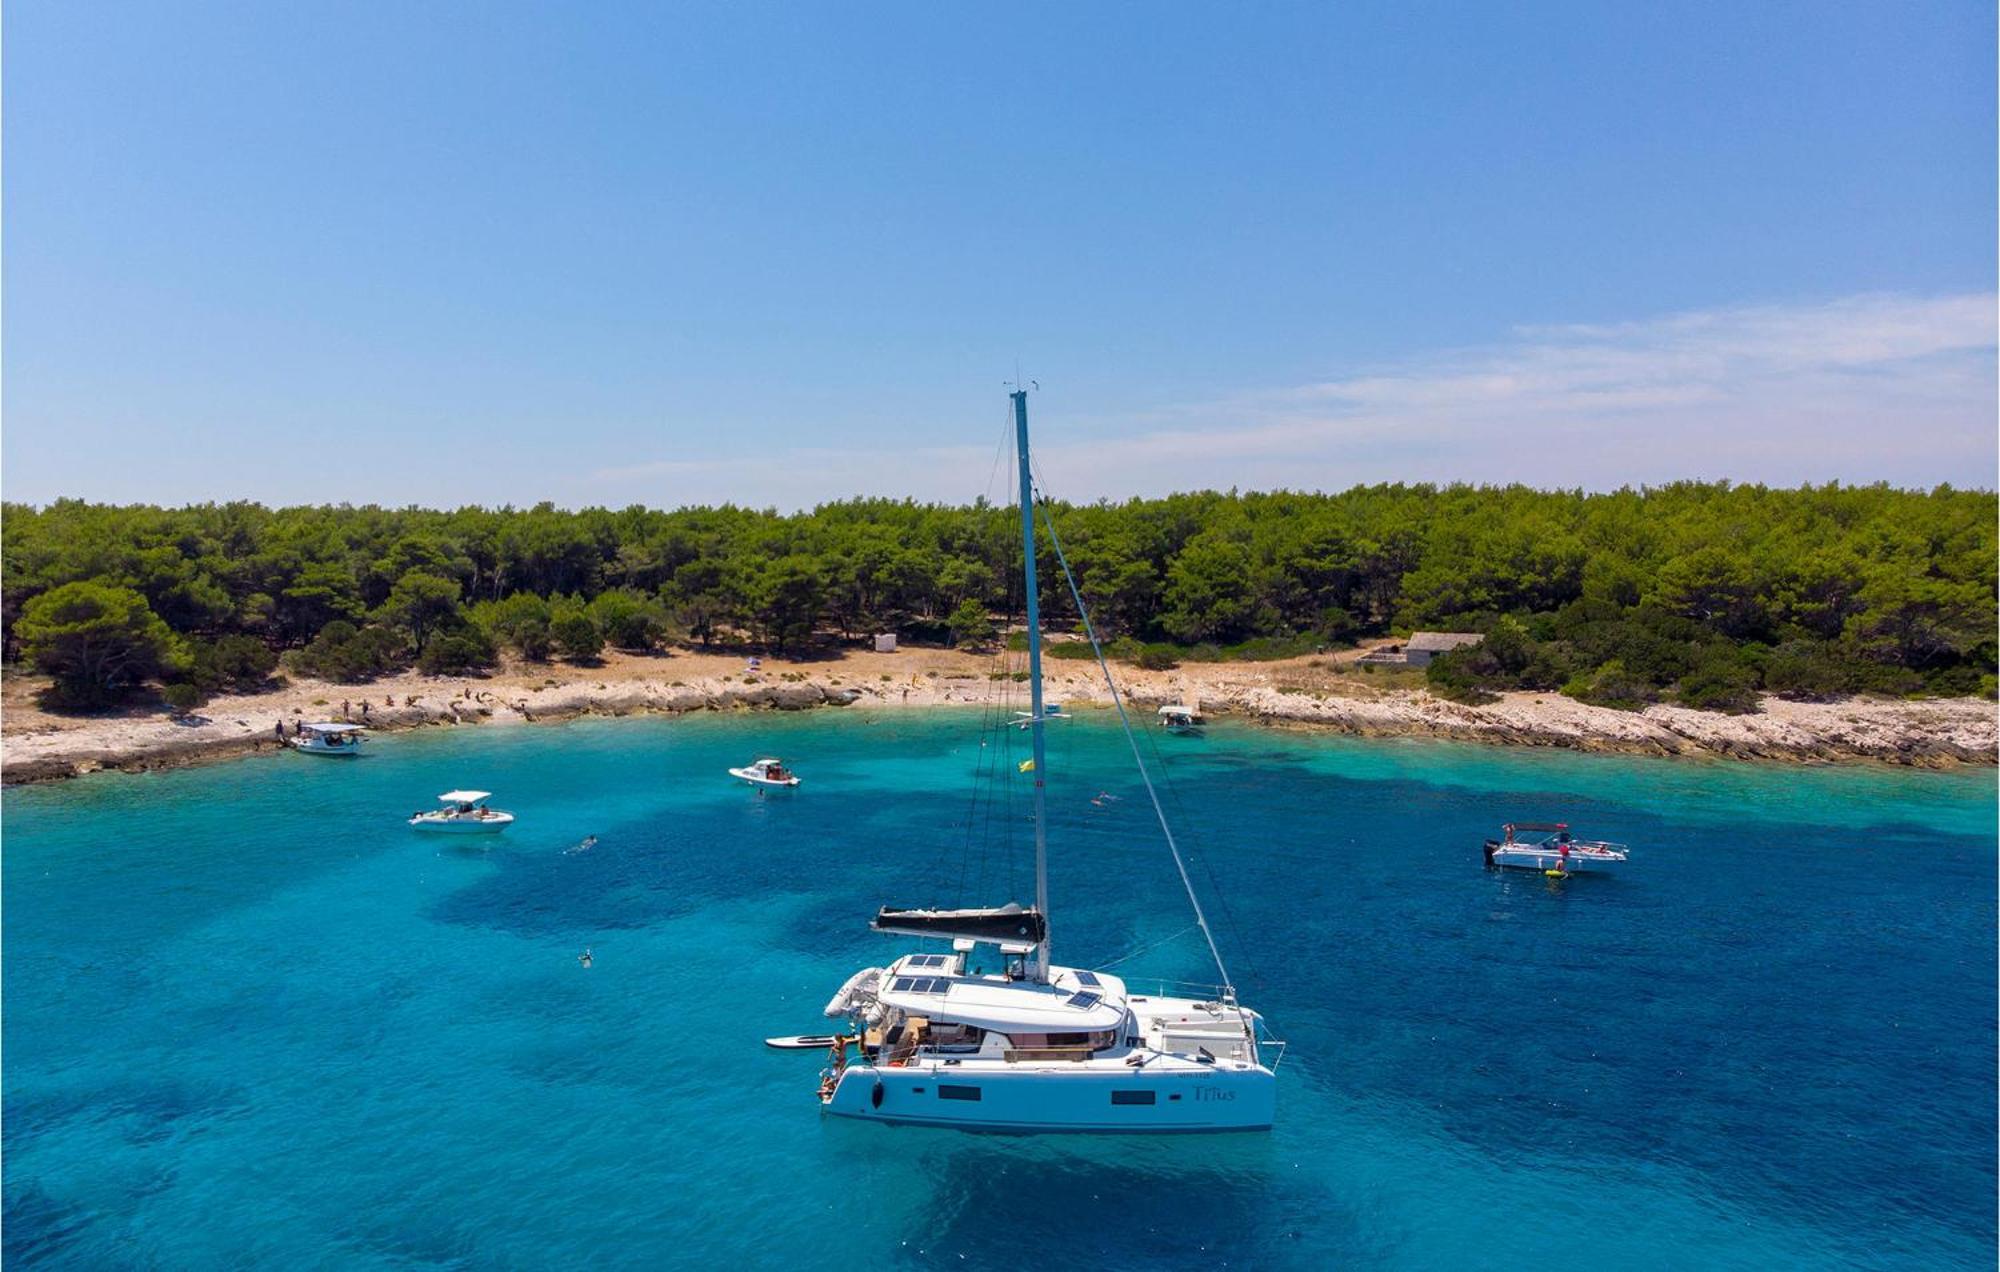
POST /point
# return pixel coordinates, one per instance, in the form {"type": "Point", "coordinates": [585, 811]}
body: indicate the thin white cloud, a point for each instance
{"type": "Point", "coordinates": [1877, 387]}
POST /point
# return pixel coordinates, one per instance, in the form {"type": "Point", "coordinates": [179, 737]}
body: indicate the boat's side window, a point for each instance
{"type": "Point", "coordinates": [1133, 1097]}
{"type": "Point", "coordinates": [957, 1092]}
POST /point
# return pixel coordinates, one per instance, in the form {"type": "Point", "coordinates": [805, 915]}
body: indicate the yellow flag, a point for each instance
{"type": "Point", "coordinates": [1027, 766]}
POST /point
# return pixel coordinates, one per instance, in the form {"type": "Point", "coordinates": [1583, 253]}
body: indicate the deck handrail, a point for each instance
{"type": "Point", "coordinates": [1164, 988]}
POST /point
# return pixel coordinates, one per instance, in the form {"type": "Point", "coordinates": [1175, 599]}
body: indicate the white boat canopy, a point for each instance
{"type": "Point", "coordinates": [1006, 1007]}
{"type": "Point", "coordinates": [1178, 711]}
{"type": "Point", "coordinates": [332, 728]}
{"type": "Point", "coordinates": [464, 797]}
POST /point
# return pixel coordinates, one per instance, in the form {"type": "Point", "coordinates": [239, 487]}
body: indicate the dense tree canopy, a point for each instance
{"type": "Point", "coordinates": [95, 639]}
{"type": "Point", "coordinates": [1707, 593]}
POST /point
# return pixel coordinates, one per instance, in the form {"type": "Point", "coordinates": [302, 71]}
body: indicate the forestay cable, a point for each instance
{"type": "Point", "coordinates": [1131, 740]}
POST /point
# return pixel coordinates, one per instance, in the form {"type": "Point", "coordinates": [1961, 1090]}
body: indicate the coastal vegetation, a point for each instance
{"type": "Point", "coordinates": [1708, 594]}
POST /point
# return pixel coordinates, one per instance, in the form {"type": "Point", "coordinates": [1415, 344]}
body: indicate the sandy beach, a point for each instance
{"type": "Point", "coordinates": [1320, 693]}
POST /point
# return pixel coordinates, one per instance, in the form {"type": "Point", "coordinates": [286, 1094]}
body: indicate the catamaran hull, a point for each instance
{"type": "Point", "coordinates": [1070, 1099]}
{"type": "Point", "coordinates": [1578, 863]}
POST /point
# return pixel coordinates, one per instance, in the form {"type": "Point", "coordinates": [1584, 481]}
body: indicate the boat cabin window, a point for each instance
{"type": "Point", "coordinates": [1094, 1041]}
{"type": "Point", "coordinates": [947, 1036]}
{"type": "Point", "coordinates": [1134, 1097]}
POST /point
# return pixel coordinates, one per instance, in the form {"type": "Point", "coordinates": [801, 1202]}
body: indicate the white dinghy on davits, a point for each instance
{"type": "Point", "coordinates": [994, 1036]}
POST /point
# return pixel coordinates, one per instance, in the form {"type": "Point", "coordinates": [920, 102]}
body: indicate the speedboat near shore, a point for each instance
{"type": "Point", "coordinates": [766, 772]}
{"type": "Point", "coordinates": [463, 813]}
{"type": "Point", "coordinates": [1182, 720]}
{"type": "Point", "coordinates": [1552, 849]}
{"type": "Point", "coordinates": [329, 739]}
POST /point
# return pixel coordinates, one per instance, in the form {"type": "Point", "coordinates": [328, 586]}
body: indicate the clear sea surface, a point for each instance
{"type": "Point", "coordinates": [251, 1019]}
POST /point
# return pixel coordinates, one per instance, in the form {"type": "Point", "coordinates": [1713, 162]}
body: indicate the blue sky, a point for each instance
{"type": "Point", "coordinates": [774, 254]}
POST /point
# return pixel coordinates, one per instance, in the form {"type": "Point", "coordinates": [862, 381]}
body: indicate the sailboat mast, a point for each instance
{"type": "Point", "coordinates": [1034, 676]}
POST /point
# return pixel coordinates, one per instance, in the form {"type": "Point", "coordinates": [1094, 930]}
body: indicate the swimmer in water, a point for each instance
{"type": "Point", "coordinates": [584, 958]}
{"type": "Point", "coordinates": [1104, 798]}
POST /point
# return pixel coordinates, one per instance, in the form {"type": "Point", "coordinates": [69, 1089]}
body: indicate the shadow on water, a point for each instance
{"type": "Point", "coordinates": [1105, 1201]}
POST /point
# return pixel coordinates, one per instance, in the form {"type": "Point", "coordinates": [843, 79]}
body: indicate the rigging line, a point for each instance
{"type": "Point", "coordinates": [1198, 848]}
{"type": "Point", "coordinates": [1199, 851]}
{"type": "Point", "coordinates": [979, 811]}
{"type": "Point", "coordinates": [1124, 719]}
{"type": "Point", "coordinates": [1144, 949]}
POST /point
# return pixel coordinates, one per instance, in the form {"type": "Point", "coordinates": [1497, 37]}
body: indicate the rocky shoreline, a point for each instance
{"type": "Point", "coordinates": [39, 746]}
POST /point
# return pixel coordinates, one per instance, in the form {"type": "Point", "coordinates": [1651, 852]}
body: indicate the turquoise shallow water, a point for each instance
{"type": "Point", "coordinates": [251, 1019]}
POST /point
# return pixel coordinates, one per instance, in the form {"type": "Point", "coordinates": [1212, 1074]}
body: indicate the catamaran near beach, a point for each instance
{"type": "Point", "coordinates": [994, 1035]}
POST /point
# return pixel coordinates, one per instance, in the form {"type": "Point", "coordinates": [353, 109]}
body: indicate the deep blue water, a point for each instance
{"type": "Point", "coordinates": [252, 1020]}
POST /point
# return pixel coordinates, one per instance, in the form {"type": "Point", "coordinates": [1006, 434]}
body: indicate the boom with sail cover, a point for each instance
{"type": "Point", "coordinates": [1010, 923]}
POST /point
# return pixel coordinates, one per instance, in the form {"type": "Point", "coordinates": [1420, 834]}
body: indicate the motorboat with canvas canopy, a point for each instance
{"type": "Point", "coordinates": [1017, 1043]}
{"type": "Point", "coordinates": [1181, 719]}
{"type": "Point", "coordinates": [329, 739]}
{"type": "Point", "coordinates": [1552, 849]}
{"type": "Point", "coordinates": [463, 813]}
{"type": "Point", "coordinates": [766, 772]}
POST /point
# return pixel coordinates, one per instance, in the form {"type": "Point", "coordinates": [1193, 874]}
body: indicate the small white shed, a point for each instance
{"type": "Point", "coordinates": [885, 643]}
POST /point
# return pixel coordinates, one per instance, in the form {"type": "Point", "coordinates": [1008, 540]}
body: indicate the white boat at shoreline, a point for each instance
{"type": "Point", "coordinates": [463, 813]}
{"type": "Point", "coordinates": [766, 772]}
{"type": "Point", "coordinates": [1182, 720]}
{"type": "Point", "coordinates": [994, 1036]}
{"type": "Point", "coordinates": [329, 739]}
{"type": "Point", "coordinates": [1552, 849]}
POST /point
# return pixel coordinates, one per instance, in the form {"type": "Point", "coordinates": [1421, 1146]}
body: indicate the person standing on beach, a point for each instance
{"type": "Point", "coordinates": [345, 707]}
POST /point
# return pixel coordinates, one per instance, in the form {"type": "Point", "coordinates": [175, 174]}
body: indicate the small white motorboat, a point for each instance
{"type": "Point", "coordinates": [766, 772]}
{"type": "Point", "coordinates": [1182, 720]}
{"type": "Point", "coordinates": [329, 739]}
{"type": "Point", "coordinates": [1050, 711]}
{"type": "Point", "coordinates": [463, 813]}
{"type": "Point", "coordinates": [1550, 848]}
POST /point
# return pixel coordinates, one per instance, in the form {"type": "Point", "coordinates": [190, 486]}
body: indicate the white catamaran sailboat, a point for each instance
{"type": "Point", "coordinates": [931, 1040]}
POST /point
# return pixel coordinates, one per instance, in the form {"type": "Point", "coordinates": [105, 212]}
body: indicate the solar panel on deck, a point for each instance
{"type": "Point", "coordinates": [1084, 998]}
{"type": "Point", "coordinates": [901, 984]}
{"type": "Point", "coordinates": [1087, 978]}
